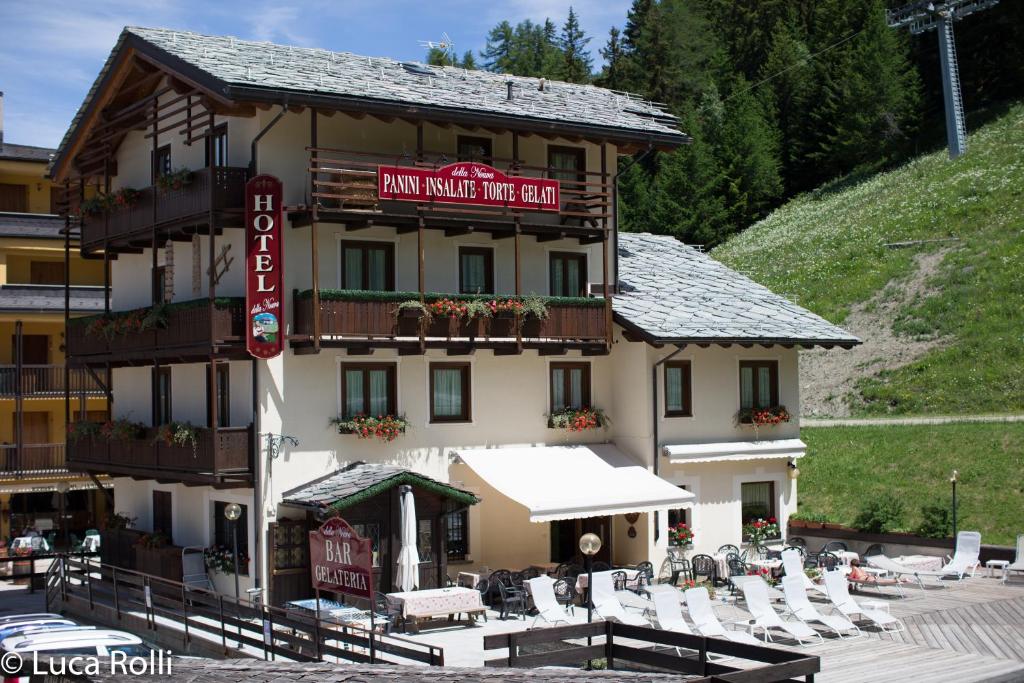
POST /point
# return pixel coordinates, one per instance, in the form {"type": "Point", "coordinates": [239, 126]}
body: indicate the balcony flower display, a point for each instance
{"type": "Point", "coordinates": [759, 530]}
{"type": "Point", "coordinates": [680, 535]}
{"type": "Point", "coordinates": [577, 419]}
{"type": "Point", "coordinates": [763, 417]}
{"type": "Point", "coordinates": [124, 198]}
{"type": "Point", "coordinates": [178, 434]}
{"type": "Point", "coordinates": [122, 429]}
{"type": "Point", "coordinates": [123, 324]}
{"type": "Point", "coordinates": [221, 559]}
{"type": "Point", "coordinates": [175, 180]}
{"type": "Point", "coordinates": [384, 427]}
{"type": "Point", "coordinates": [82, 429]}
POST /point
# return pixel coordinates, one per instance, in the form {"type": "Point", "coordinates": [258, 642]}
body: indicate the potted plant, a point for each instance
{"type": "Point", "coordinates": [759, 530]}
{"type": "Point", "coordinates": [175, 180]}
{"type": "Point", "coordinates": [766, 417]}
{"type": "Point", "coordinates": [680, 535]}
{"type": "Point", "coordinates": [577, 419]}
{"type": "Point", "coordinates": [383, 427]}
{"type": "Point", "coordinates": [221, 559]}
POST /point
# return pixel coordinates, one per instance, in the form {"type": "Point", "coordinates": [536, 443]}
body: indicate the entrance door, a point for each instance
{"type": "Point", "coordinates": [35, 348]}
{"type": "Point", "coordinates": [162, 514]}
{"type": "Point", "coordinates": [565, 538]}
{"type": "Point", "coordinates": [37, 426]}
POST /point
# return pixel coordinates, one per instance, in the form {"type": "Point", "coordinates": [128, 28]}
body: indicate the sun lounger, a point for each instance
{"type": "Point", "coordinates": [669, 613]}
{"type": "Point", "coordinates": [1018, 563]}
{"type": "Point", "coordinates": [698, 604]}
{"type": "Point", "coordinates": [542, 588]}
{"type": "Point", "coordinates": [773, 592]}
{"type": "Point", "coordinates": [766, 618]}
{"type": "Point", "coordinates": [793, 564]}
{"type": "Point", "coordinates": [801, 608]}
{"type": "Point", "coordinates": [893, 567]}
{"type": "Point", "coordinates": [606, 602]}
{"type": "Point", "coordinates": [839, 595]}
{"type": "Point", "coordinates": [967, 554]}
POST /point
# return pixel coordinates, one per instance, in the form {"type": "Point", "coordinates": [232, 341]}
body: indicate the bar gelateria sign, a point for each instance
{"type": "Point", "coordinates": [264, 277]}
{"type": "Point", "coordinates": [340, 560]}
{"type": "Point", "coordinates": [466, 183]}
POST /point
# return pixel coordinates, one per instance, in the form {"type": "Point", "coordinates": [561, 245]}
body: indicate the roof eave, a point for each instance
{"type": "Point", "coordinates": [650, 338]}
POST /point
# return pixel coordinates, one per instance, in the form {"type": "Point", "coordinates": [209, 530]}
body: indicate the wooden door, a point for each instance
{"type": "Point", "coordinates": [162, 512]}
{"type": "Point", "coordinates": [37, 427]}
{"type": "Point", "coordinates": [288, 562]}
{"type": "Point", "coordinates": [35, 348]}
{"type": "Point", "coordinates": [46, 273]}
{"type": "Point", "coordinates": [13, 198]}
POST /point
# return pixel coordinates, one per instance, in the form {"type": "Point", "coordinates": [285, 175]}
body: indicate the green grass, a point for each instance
{"type": "Point", "coordinates": [824, 250]}
{"type": "Point", "coordinates": [847, 466]}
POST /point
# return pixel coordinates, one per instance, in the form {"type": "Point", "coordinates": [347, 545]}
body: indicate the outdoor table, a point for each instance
{"type": "Point", "coordinates": [847, 556]}
{"type": "Point", "coordinates": [925, 562]}
{"type": "Point", "coordinates": [993, 564]}
{"type": "Point", "coordinates": [768, 564]}
{"type": "Point", "coordinates": [467, 579]}
{"type": "Point", "coordinates": [631, 575]}
{"type": "Point", "coordinates": [32, 542]}
{"type": "Point", "coordinates": [436, 602]}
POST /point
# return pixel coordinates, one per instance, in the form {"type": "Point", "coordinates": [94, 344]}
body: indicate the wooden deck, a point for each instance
{"type": "Point", "coordinates": [972, 631]}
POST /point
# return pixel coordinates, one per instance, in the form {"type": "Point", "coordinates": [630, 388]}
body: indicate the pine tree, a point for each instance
{"type": "Point", "coordinates": [438, 57]}
{"type": "Point", "coordinates": [468, 60]}
{"type": "Point", "coordinates": [497, 55]}
{"type": "Point", "coordinates": [612, 75]}
{"type": "Point", "coordinates": [576, 62]}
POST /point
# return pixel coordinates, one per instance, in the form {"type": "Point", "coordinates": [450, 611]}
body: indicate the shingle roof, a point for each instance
{"type": "Point", "coordinates": [12, 152]}
{"type": "Point", "coordinates": [49, 298]}
{"type": "Point", "coordinates": [362, 480]}
{"type": "Point", "coordinates": [42, 226]}
{"type": "Point", "coordinates": [671, 292]}
{"type": "Point", "coordinates": [243, 70]}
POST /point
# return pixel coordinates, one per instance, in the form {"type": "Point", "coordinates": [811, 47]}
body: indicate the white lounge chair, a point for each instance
{"type": "Point", "coordinates": [766, 618]}
{"type": "Point", "coordinates": [967, 555]}
{"type": "Point", "coordinates": [698, 604]}
{"type": "Point", "coordinates": [893, 567]}
{"type": "Point", "coordinates": [801, 608]}
{"type": "Point", "coordinates": [542, 588]}
{"type": "Point", "coordinates": [839, 595]}
{"type": "Point", "coordinates": [606, 602]}
{"type": "Point", "coordinates": [1018, 563]}
{"type": "Point", "coordinates": [738, 581]}
{"type": "Point", "coordinates": [793, 564]}
{"type": "Point", "coordinates": [669, 613]}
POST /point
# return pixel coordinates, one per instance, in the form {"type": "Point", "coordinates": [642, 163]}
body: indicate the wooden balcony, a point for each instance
{"type": "Point", "coordinates": [344, 189]}
{"type": "Point", "coordinates": [45, 381]}
{"type": "Point", "coordinates": [178, 213]}
{"type": "Point", "coordinates": [190, 331]}
{"type": "Point", "coordinates": [221, 456]}
{"type": "Point", "coordinates": [373, 319]}
{"type": "Point", "coordinates": [31, 460]}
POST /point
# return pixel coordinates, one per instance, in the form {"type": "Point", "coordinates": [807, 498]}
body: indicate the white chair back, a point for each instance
{"type": "Point", "coordinates": [796, 594]}
{"type": "Point", "coordinates": [837, 587]}
{"type": "Point", "coordinates": [792, 562]}
{"type": "Point", "coordinates": [755, 594]}
{"type": "Point", "coordinates": [968, 547]}
{"type": "Point", "coordinates": [542, 588]}
{"type": "Point", "coordinates": [1020, 550]}
{"type": "Point", "coordinates": [603, 588]}
{"type": "Point", "coordinates": [669, 612]}
{"type": "Point", "coordinates": [698, 604]}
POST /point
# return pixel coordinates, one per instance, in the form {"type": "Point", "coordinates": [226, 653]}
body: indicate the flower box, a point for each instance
{"type": "Point", "coordinates": [577, 420]}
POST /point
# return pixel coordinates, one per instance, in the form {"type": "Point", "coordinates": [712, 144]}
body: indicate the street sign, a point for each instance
{"type": "Point", "coordinates": [264, 267]}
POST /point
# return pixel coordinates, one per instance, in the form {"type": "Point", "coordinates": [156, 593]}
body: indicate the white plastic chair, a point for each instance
{"type": "Point", "coordinates": [606, 603]}
{"type": "Point", "coordinates": [698, 604]}
{"type": "Point", "coordinates": [766, 618]}
{"type": "Point", "coordinates": [669, 612]}
{"type": "Point", "coordinates": [193, 568]}
{"type": "Point", "coordinates": [801, 608]}
{"type": "Point", "coordinates": [893, 567]}
{"type": "Point", "coordinates": [1018, 563]}
{"type": "Point", "coordinates": [793, 564]}
{"type": "Point", "coordinates": [542, 588]}
{"type": "Point", "coordinates": [967, 555]}
{"type": "Point", "coordinates": [839, 595]}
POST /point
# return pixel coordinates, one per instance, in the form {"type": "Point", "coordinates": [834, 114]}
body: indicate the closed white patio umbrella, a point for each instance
{"type": "Point", "coordinates": [407, 576]}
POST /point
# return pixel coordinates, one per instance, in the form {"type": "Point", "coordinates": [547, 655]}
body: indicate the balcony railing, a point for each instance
{"type": "Point", "coordinates": [221, 453]}
{"type": "Point", "coordinates": [345, 180]}
{"type": "Point", "coordinates": [45, 381]}
{"type": "Point", "coordinates": [32, 459]}
{"type": "Point", "coordinates": [156, 206]}
{"type": "Point", "coordinates": [184, 326]}
{"type": "Point", "coordinates": [376, 315]}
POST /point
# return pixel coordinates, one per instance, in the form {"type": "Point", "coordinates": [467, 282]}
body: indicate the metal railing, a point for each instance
{"type": "Point", "coordinates": [32, 458]}
{"type": "Point", "coordinates": [45, 381]}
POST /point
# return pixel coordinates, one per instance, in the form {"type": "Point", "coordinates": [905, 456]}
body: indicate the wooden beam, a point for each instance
{"type": "Point", "coordinates": [360, 350]}
{"type": "Point", "coordinates": [551, 236]}
{"type": "Point", "coordinates": [461, 350]}
{"type": "Point", "coordinates": [504, 235]}
{"type": "Point", "coordinates": [455, 232]}
{"type": "Point", "coordinates": [551, 351]}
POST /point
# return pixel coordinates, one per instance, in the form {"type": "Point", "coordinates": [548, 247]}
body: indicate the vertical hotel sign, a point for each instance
{"type": "Point", "coordinates": [264, 276]}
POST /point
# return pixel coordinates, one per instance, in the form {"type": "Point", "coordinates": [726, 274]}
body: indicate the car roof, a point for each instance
{"type": "Point", "coordinates": [62, 628]}
{"type": "Point", "coordinates": [21, 617]}
{"type": "Point", "coordinates": [35, 623]}
{"type": "Point", "coordinates": [47, 640]}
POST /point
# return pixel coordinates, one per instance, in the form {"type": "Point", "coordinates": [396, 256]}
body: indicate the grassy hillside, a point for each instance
{"type": "Point", "coordinates": [848, 466]}
{"type": "Point", "coordinates": [825, 250]}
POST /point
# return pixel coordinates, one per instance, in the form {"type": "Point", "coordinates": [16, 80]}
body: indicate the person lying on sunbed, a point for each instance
{"type": "Point", "coordinates": [858, 575]}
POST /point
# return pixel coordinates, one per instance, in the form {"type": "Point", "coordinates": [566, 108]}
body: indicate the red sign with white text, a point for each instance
{"type": "Point", "coordinates": [467, 183]}
{"type": "Point", "coordinates": [341, 561]}
{"type": "Point", "coordinates": [264, 276]}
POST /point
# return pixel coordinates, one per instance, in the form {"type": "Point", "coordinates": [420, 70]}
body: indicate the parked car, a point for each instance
{"type": "Point", "coordinates": [18, 627]}
{"type": "Point", "coordinates": [35, 615]}
{"type": "Point", "coordinates": [99, 642]}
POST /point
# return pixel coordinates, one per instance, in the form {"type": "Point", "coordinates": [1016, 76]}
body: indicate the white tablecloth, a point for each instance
{"type": "Point", "coordinates": [631, 574]}
{"type": "Point", "coordinates": [435, 602]}
{"type": "Point", "coordinates": [926, 562]}
{"type": "Point", "coordinates": [467, 579]}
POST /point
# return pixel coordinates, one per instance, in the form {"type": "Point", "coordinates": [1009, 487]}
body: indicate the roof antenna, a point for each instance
{"type": "Point", "coordinates": [446, 45]}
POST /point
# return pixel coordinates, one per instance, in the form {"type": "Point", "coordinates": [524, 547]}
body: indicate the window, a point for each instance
{"type": "Point", "coordinates": [567, 164]}
{"type": "Point", "coordinates": [219, 143]}
{"type": "Point", "coordinates": [371, 530]}
{"type": "Point", "coordinates": [161, 162]}
{"type": "Point", "coordinates": [223, 396]}
{"type": "Point", "coordinates": [160, 274]}
{"type": "Point", "coordinates": [368, 266]}
{"type": "Point", "coordinates": [570, 386]}
{"type": "Point", "coordinates": [222, 532]}
{"type": "Point", "coordinates": [456, 535]}
{"type": "Point", "coordinates": [162, 512]}
{"type": "Point", "coordinates": [757, 500]}
{"type": "Point", "coordinates": [759, 384]}
{"type": "Point", "coordinates": [425, 539]}
{"type": "Point", "coordinates": [568, 274]}
{"type": "Point", "coordinates": [678, 397]}
{"type": "Point", "coordinates": [449, 392]}
{"type": "Point", "coordinates": [161, 396]}
{"type": "Point", "coordinates": [474, 149]}
{"type": "Point", "coordinates": [476, 270]}
{"type": "Point", "coordinates": [368, 389]}
{"type": "Point", "coordinates": [46, 273]}
{"type": "Point", "coordinates": [13, 198]}
{"type": "Point", "coordinates": [679, 515]}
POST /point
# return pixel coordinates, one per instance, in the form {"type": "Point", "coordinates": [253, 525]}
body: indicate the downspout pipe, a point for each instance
{"type": "Point", "coordinates": [654, 418]}
{"type": "Point", "coordinates": [259, 136]}
{"type": "Point", "coordinates": [615, 209]}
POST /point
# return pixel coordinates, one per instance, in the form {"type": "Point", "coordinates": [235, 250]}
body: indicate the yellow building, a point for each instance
{"type": "Point", "coordinates": [32, 373]}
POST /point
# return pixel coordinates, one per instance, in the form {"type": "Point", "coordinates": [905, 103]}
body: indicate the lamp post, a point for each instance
{"type": "Point", "coordinates": [590, 544]}
{"type": "Point", "coordinates": [952, 481]}
{"type": "Point", "coordinates": [232, 511]}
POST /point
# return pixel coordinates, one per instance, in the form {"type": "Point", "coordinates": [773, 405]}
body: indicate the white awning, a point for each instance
{"type": "Point", "coordinates": [735, 450]}
{"type": "Point", "coordinates": [571, 482]}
